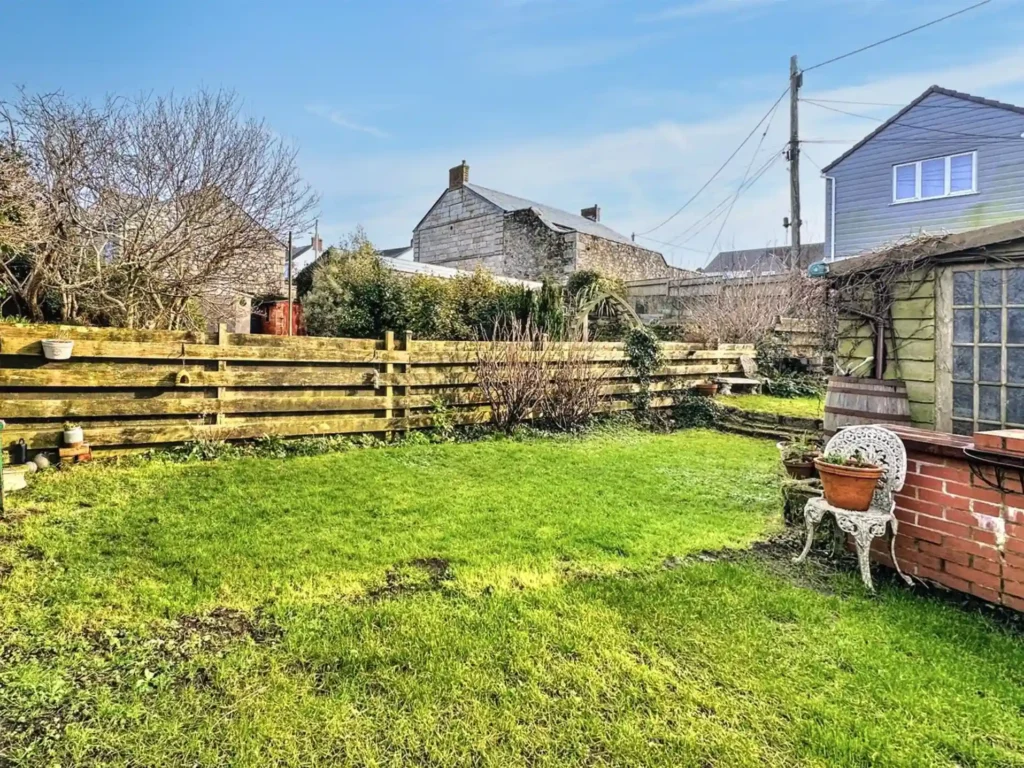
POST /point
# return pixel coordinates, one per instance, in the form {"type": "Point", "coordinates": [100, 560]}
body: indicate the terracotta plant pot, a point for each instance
{"type": "Point", "coordinates": [706, 389]}
{"type": "Point", "coordinates": [800, 470]}
{"type": "Point", "coordinates": [74, 437]}
{"type": "Point", "coordinates": [848, 487]}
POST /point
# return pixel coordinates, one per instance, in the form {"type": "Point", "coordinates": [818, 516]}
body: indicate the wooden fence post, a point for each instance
{"type": "Point", "coordinates": [389, 369]}
{"type": "Point", "coordinates": [403, 391]}
{"type": "Point", "coordinates": [222, 365]}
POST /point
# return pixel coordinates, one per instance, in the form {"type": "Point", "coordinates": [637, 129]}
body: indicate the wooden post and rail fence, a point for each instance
{"type": "Point", "coordinates": [132, 388]}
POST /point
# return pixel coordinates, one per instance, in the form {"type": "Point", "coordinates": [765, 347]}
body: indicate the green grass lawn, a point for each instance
{"type": "Point", "coordinates": [802, 407]}
{"type": "Point", "coordinates": [500, 603]}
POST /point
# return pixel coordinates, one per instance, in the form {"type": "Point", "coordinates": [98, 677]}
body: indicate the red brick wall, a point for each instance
{"type": "Point", "coordinates": [955, 530]}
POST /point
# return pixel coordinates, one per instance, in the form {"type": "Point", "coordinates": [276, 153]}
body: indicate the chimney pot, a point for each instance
{"type": "Point", "coordinates": [458, 176]}
{"type": "Point", "coordinates": [593, 212]}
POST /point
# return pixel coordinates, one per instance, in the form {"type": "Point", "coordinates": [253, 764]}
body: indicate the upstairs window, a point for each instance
{"type": "Point", "coordinates": [934, 178]}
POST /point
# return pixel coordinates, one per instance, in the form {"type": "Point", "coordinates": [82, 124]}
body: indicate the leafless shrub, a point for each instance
{"type": "Point", "coordinates": [744, 310]}
{"type": "Point", "coordinates": [512, 371]}
{"type": "Point", "coordinates": [573, 394]}
{"type": "Point", "coordinates": [863, 300]}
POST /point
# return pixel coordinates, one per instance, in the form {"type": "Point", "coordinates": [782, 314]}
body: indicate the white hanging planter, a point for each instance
{"type": "Point", "coordinates": [57, 349]}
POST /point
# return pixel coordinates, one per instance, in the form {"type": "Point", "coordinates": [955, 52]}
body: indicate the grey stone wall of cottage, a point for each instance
{"type": "Point", "coordinates": [462, 231]}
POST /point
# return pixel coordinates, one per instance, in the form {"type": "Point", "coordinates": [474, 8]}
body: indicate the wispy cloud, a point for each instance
{"type": "Point", "coordinates": [545, 59]}
{"type": "Point", "coordinates": [641, 173]}
{"type": "Point", "coordinates": [706, 8]}
{"type": "Point", "coordinates": [342, 121]}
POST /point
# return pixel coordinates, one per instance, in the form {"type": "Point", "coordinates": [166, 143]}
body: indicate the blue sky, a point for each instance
{"type": "Point", "coordinates": [631, 105]}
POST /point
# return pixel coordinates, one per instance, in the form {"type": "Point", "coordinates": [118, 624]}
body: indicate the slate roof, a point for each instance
{"type": "Point", "coordinates": [553, 217]}
{"type": "Point", "coordinates": [409, 266]}
{"type": "Point", "coordinates": [934, 89]}
{"type": "Point", "coordinates": [397, 253]}
{"type": "Point", "coordinates": [764, 260]}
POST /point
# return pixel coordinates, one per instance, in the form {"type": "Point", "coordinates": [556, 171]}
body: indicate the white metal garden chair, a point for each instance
{"type": "Point", "coordinates": [880, 446]}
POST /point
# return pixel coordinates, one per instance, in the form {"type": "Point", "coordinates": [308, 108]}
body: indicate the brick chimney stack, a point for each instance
{"type": "Point", "coordinates": [317, 243]}
{"type": "Point", "coordinates": [458, 176]}
{"type": "Point", "coordinates": [593, 213]}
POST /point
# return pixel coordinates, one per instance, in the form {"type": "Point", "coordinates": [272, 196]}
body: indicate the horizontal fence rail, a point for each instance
{"type": "Point", "coordinates": [132, 388]}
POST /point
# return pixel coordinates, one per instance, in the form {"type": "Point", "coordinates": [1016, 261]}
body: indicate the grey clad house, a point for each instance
{"type": "Point", "coordinates": [472, 227]}
{"type": "Point", "coordinates": [947, 162]}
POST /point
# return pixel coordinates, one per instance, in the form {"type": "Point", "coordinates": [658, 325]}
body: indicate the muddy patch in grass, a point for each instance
{"type": "Point", "coordinates": [186, 637]}
{"type": "Point", "coordinates": [227, 624]}
{"type": "Point", "coordinates": [424, 574]}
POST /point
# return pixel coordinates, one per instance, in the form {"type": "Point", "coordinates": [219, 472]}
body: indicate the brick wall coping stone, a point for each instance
{"type": "Point", "coordinates": [933, 443]}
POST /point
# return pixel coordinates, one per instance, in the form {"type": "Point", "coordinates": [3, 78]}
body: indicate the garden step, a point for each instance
{"type": "Point", "coordinates": [776, 432]}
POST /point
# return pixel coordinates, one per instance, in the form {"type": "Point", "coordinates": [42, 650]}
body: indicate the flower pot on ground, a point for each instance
{"type": "Point", "coordinates": [798, 457]}
{"type": "Point", "coordinates": [57, 349]}
{"type": "Point", "coordinates": [706, 389]}
{"type": "Point", "coordinates": [73, 435]}
{"type": "Point", "coordinates": [848, 481]}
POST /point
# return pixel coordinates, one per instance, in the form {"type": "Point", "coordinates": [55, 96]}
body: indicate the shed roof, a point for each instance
{"type": "Point", "coordinates": [926, 247]}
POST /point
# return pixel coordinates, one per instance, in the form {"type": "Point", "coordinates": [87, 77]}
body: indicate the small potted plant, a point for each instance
{"type": "Point", "coordinates": [58, 348]}
{"type": "Point", "coordinates": [848, 481]}
{"type": "Point", "coordinates": [706, 388]}
{"type": "Point", "coordinates": [798, 457]}
{"type": "Point", "coordinates": [73, 434]}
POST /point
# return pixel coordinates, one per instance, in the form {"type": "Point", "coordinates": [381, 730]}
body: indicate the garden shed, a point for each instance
{"type": "Point", "coordinates": [944, 313]}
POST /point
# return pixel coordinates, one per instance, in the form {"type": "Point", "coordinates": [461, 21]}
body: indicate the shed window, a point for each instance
{"type": "Point", "coordinates": [988, 349]}
{"type": "Point", "coordinates": [935, 177]}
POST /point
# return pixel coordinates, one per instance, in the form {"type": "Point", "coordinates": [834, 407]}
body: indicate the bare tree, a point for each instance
{"type": "Point", "coordinates": [512, 371]}
{"type": "Point", "coordinates": [155, 204]}
{"type": "Point", "coordinates": [744, 309]}
{"type": "Point", "coordinates": [22, 221]}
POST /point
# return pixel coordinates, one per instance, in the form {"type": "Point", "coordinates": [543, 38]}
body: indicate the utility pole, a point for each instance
{"type": "Point", "coordinates": [290, 285]}
{"type": "Point", "coordinates": [796, 79]}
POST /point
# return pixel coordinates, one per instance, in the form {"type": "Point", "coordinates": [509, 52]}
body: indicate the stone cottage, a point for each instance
{"type": "Point", "coordinates": [472, 226]}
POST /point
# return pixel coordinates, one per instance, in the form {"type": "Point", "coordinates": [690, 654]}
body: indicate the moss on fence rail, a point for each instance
{"type": "Point", "coordinates": [141, 388]}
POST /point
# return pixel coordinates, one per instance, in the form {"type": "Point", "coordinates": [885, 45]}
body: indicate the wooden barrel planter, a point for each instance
{"type": "Point", "coordinates": [850, 401]}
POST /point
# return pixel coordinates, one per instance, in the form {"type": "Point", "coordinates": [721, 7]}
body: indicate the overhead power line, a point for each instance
{"type": "Point", "coordinates": [889, 104]}
{"type": "Point", "coordinates": [671, 245]}
{"type": "Point", "coordinates": [711, 216]}
{"type": "Point", "coordinates": [721, 168]}
{"type": "Point", "coordinates": [814, 103]}
{"type": "Point", "coordinates": [897, 36]}
{"type": "Point", "coordinates": [980, 141]}
{"type": "Point", "coordinates": [814, 162]}
{"type": "Point", "coordinates": [739, 189]}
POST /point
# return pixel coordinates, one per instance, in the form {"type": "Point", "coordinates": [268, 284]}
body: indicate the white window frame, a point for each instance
{"type": "Point", "coordinates": [916, 165]}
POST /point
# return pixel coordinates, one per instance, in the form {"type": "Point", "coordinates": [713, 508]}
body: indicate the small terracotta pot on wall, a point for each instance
{"type": "Point", "coordinates": [848, 487]}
